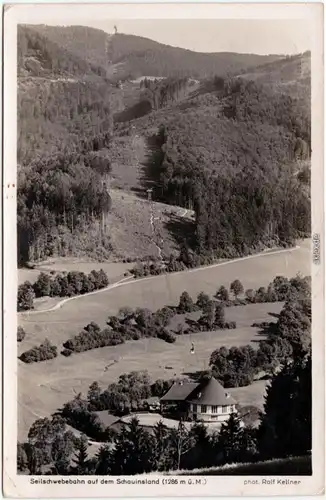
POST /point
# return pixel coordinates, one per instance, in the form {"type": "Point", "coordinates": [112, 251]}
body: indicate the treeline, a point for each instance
{"type": "Point", "coordinates": [142, 56]}
{"type": "Point", "coordinates": [285, 430]}
{"type": "Point", "coordinates": [58, 194]}
{"type": "Point", "coordinates": [61, 285]}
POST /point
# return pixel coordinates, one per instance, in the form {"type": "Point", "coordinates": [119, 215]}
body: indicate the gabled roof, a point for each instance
{"type": "Point", "coordinates": [211, 392]}
{"type": "Point", "coordinates": [107, 418]}
{"type": "Point", "coordinates": [179, 391]}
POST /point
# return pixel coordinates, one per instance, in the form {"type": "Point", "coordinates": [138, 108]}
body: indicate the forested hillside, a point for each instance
{"type": "Point", "coordinates": [141, 56]}
{"type": "Point", "coordinates": [231, 155]}
{"type": "Point", "coordinates": [39, 56]}
{"type": "Point", "coordinates": [230, 148]}
{"type": "Point", "coordinates": [289, 75]}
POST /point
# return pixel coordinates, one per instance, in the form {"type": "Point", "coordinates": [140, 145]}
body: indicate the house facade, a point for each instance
{"type": "Point", "coordinates": [207, 401]}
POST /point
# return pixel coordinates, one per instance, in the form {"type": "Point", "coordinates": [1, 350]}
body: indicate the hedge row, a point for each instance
{"type": "Point", "coordinates": [129, 326]}
{"type": "Point", "coordinates": [41, 353]}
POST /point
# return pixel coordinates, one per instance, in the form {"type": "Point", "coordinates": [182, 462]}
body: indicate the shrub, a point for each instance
{"type": "Point", "coordinates": [92, 338]}
{"type": "Point", "coordinates": [186, 303]}
{"type": "Point", "coordinates": [25, 297]}
{"type": "Point", "coordinates": [43, 352]}
{"type": "Point", "coordinates": [222, 294]}
{"type": "Point", "coordinates": [20, 334]}
{"type": "Point", "coordinates": [66, 352]}
{"type": "Point", "coordinates": [229, 325]}
{"type": "Point", "coordinates": [250, 295]}
{"type": "Point", "coordinates": [202, 300]}
{"type": "Point", "coordinates": [261, 295]}
{"type": "Point", "coordinates": [235, 367]}
{"type": "Point", "coordinates": [281, 286]}
{"type": "Point", "coordinates": [55, 290]}
{"type": "Point", "coordinates": [236, 288]}
{"type": "Point", "coordinates": [163, 316]}
{"type": "Point", "coordinates": [42, 286]}
{"type": "Point", "coordinates": [167, 336]}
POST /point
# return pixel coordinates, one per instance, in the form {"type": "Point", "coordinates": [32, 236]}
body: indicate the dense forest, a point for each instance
{"type": "Point", "coordinates": [235, 167]}
{"type": "Point", "coordinates": [39, 56]}
{"type": "Point", "coordinates": [58, 196]}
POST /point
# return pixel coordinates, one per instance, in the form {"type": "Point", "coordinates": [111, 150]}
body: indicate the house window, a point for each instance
{"type": "Point", "coordinates": [203, 408]}
{"type": "Point", "coordinates": [224, 409]}
{"type": "Point", "coordinates": [194, 408]}
{"type": "Point", "coordinates": [214, 409]}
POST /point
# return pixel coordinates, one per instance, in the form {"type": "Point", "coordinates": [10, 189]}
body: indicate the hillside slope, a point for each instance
{"type": "Point", "coordinates": [132, 56]}
{"type": "Point", "coordinates": [226, 146]}
{"type": "Point", "coordinates": [39, 56]}
{"type": "Point", "coordinates": [291, 75]}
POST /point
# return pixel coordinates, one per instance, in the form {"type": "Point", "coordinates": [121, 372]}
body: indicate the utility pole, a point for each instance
{"type": "Point", "coordinates": [149, 194]}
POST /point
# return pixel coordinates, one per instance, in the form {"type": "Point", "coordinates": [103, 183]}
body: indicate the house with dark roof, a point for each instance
{"type": "Point", "coordinates": [207, 401]}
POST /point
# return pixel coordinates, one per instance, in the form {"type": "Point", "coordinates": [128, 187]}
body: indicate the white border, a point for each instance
{"type": "Point", "coordinates": [19, 486]}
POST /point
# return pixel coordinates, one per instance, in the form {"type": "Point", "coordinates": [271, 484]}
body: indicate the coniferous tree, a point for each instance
{"type": "Point", "coordinates": [133, 451]}
{"type": "Point", "coordinates": [81, 456]}
{"type": "Point", "coordinates": [230, 439]}
{"type": "Point", "coordinates": [21, 458]}
{"type": "Point", "coordinates": [104, 461]}
{"type": "Point", "coordinates": [286, 425]}
{"type": "Point", "coordinates": [208, 317]}
{"type": "Point", "coordinates": [186, 303]}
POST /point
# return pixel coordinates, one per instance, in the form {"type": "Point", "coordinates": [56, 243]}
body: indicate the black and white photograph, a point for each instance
{"type": "Point", "coordinates": [164, 309]}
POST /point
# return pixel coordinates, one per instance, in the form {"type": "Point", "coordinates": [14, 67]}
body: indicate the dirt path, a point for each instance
{"type": "Point", "coordinates": [69, 299]}
{"type": "Point", "coordinates": [129, 280]}
{"type": "Point", "coordinates": [141, 150]}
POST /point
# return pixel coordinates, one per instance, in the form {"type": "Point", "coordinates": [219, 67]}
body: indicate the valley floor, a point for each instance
{"type": "Point", "coordinates": [43, 387]}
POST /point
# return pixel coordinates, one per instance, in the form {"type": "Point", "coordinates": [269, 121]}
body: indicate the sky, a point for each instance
{"type": "Point", "coordinates": [227, 35]}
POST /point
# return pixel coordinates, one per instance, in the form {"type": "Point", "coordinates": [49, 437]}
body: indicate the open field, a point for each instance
{"type": "Point", "coordinates": [43, 387]}
{"type": "Point", "coordinates": [158, 291]}
{"type": "Point", "coordinates": [130, 229]}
